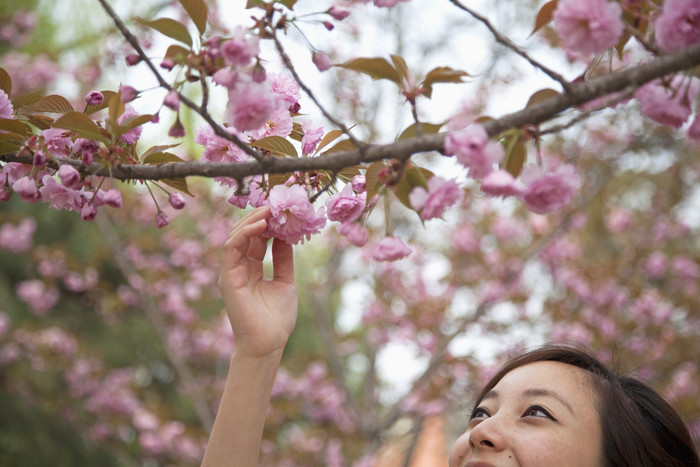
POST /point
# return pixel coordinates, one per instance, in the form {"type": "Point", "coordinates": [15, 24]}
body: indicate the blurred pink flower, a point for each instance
{"type": "Point", "coordinates": [161, 220]}
{"type": "Point", "coordinates": [284, 86]}
{"type": "Point", "coordinates": [277, 124]}
{"type": "Point", "coordinates": [344, 206]}
{"type": "Point", "coordinates": [588, 27]}
{"type": "Point", "coordinates": [240, 50]}
{"type": "Point", "coordinates": [312, 136]}
{"type": "Point", "coordinates": [37, 295]}
{"type": "Point", "coordinates": [250, 105]}
{"type": "Point", "coordinates": [678, 25]}
{"type": "Point", "coordinates": [5, 105]}
{"type": "Point", "coordinates": [474, 150]}
{"type": "Point", "coordinates": [321, 60]}
{"type": "Point", "coordinates": [172, 100]}
{"type": "Point", "coordinates": [551, 190]}
{"type": "Point", "coordinates": [387, 3]}
{"type": "Point", "coordinates": [293, 216]}
{"type": "Point", "coordinates": [56, 143]}
{"type": "Point", "coordinates": [655, 265]}
{"type": "Point", "coordinates": [668, 106]}
{"type": "Point", "coordinates": [338, 12]}
{"type": "Point", "coordinates": [355, 232]}
{"type": "Point", "coordinates": [18, 239]}
{"type": "Point", "coordinates": [440, 195]}
{"type": "Point", "coordinates": [501, 183]}
{"type": "Point", "coordinates": [694, 128]}
{"type": "Point", "coordinates": [59, 196]}
{"type": "Point", "coordinates": [390, 249]}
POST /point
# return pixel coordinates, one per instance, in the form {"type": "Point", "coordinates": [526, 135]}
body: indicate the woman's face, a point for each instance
{"type": "Point", "coordinates": [542, 414]}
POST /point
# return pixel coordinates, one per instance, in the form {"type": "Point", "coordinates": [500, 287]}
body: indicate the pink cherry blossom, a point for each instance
{"type": "Point", "coordinates": [5, 105]}
{"type": "Point", "coordinates": [69, 176]}
{"type": "Point", "coordinates": [26, 188]}
{"type": "Point", "coordinates": [227, 77]}
{"type": "Point", "coordinates": [344, 206]}
{"type": "Point", "coordinates": [133, 135]}
{"type": "Point", "coordinates": [312, 136]}
{"type": "Point", "coordinates": [588, 27]}
{"type": "Point", "coordinates": [240, 50]}
{"type": "Point", "coordinates": [668, 106]}
{"type": "Point", "coordinates": [474, 150]}
{"type": "Point", "coordinates": [550, 190]}
{"type": "Point", "coordinates": [88, 211]}
{"type": "Point", "coordinates": [359, 183]}
{"type": "Point", "coordinates": [250, 105]}
{"type": "Point", "coordinates": [355, 232]}
{"type": "Point", "coordinates": [56, 143]}
{"type": "Point", "coordinates": [111, 198]}
{"type": "Point", "coordinates": [501, 183]}
{"type": "Point", "coordinates": [59, 196]}
{"type": "Point", "coordinates": [440, 195]}
{"type": "Point", "coordinates": [128, 94]}
{"type": "Point", "coordinates": [390, 249]}
{"type": "Point", "coordinates": [321, 60]}
{"type": "Point", "coordinates": [678, 25]}
{"type": "Point", "coordinates": [284, 86]}
{"type": "Point", "coordinates": [278, 124]}
{"type": "Point", "coordinates": [293, 216]}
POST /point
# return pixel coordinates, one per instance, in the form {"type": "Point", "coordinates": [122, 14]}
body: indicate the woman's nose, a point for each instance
{"type": "Point", "coordinates": [488, 434]}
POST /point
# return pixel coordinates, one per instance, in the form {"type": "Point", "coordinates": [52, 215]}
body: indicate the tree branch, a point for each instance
{"type": "Point", "coordinates": [579, 93]}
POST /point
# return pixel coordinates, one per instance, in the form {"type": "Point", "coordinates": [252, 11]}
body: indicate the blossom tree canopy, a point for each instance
{"type": "Point", "coordinates": [460, 192]}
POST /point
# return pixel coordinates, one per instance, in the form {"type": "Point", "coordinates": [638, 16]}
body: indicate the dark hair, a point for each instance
{"type": "Point", "coordinates": [639, 428]}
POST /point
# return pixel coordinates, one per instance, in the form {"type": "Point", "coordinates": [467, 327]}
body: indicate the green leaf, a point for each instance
{"type": "Point", "coordinates": [8, 146]}
{"type": "Point", "coordinates": [197, 10]}
{"type": "Point", "coordinates": [372, 181]}
{"type": "Point", "coordinates": [328, 138]}
{"type": "Point", "coordinates": [515, 155]}
{"type": "Point", "coordinates": [401, 67]}
{"type": "Point", "coordinates": [179, 184]}
{"type": "Point", "coordinates": [254, 4]}
{"type": "Point", "coordinates": [155, 149]}
{"type": "Point", "coordinates": [541, 96]}
{"type": "Point", "coordinates": [377, 68]}
{"type": "Point", "coordinates": [169, 27]}
{"type": "Point", "coordinates": [341, 146]}
{"type": "Point", "coordinates": [428, 128]}
{"type": "Point", "coordinates": [288, 3]}
{"type": "Point", "coordinates": [443, 74]}
{"type": "Point", "coordinates": [161, 158]}
{"type": "Point", "coordinates": [28, 98]}
{"type": "Point", "coordinates": [53, 103]}
{"type": "Point", "coordinates": [108, 96]}
{"type": "Point", "coordinates": [413, 177]}
{"type": "Point", "coordinates": [176, 52]}
{"type": "Point", "coordinates": [276, 145]}
{"type": "Point", "coordinates": [116, 109]}
{"type": "Point", "coordinates": [42, 122]}
{"type": "Point", "coordinates": [83, 126]}
{"type": "Point", "coordinates": [348, 173]}
{"type": "Point", "coordinates": [544, 16]}
{"type": "Point", "coordinates": [5, 81]}
{"type": "Point", "coordinates": [14, 126]}
{"type": "Point", "coordinates": [134, 121]}
{"type": "Point", "coordinates": [297, 133]}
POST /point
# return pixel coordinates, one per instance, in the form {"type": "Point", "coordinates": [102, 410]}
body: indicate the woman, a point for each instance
{"type": "Point", "coordinates": [554, 406]}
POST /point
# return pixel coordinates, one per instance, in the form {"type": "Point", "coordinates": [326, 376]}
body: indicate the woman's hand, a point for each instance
{"type": "Point", "coordinates": [262, 312]}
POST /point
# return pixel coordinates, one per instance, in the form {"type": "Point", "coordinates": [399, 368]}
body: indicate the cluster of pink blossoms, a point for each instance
{"type": "Point", "coordinates": [541, 190]}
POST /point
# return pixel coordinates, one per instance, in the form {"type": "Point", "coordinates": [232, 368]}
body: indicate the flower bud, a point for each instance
{"type": "Point", "coordinates": [132, 59]}
{"type": "Point", "coordinates": [39, 159]}
{"type": "Point", "coordinates": [167, 64]}
{"type": "Point", "coordinates": [89, 211]}
{"type": "Point", "coordinates": [113, 198]}
{"type": "Point", "coordinates": [94, 98]}
{"type": "Point", "coordinates": [128, 93]}
{"type": "Point", "coordinates": [338, 12]}
{"type": "Point", "coordinates": [177, 130]}
{"type": "Point", "coordinates": [161, 220]}
{"type": "Point", "coordinates": [321, 60]}
{"type": "Point", "coordinates": [176, 200]}
{"type": "Point", "coordinates": [328, 25]}
{"type": "Point", "coordinates": [172, 100]}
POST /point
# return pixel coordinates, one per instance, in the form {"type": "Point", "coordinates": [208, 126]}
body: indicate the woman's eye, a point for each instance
{"type": "Point", "coordinates": [537, 411]}
{"type": "Point", "coordinates": [479, 412]}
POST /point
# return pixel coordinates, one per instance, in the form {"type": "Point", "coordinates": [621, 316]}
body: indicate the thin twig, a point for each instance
{"type": "Point", "coordinates": [508, 43]}
{"type": "Point", "coordinates": [309, 92]}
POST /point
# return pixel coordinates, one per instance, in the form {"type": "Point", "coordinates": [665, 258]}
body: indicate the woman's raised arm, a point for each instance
{"type": "Point", "coordinates": [263, 314]}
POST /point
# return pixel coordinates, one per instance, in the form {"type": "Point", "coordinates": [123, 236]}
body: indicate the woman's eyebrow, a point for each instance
{"type": "Point", "coordinates": [539, 392]}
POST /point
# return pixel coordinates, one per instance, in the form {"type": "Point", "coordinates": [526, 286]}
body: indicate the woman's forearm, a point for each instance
{"type": "Point", "coordinates": [237, 433]}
